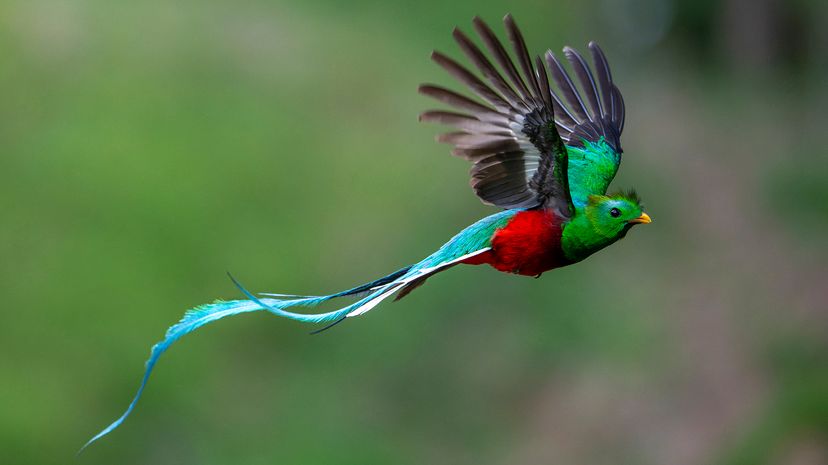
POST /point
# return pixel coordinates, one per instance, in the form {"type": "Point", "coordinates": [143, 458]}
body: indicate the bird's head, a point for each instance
{"type": "Point", "coordinates": [611, 216]}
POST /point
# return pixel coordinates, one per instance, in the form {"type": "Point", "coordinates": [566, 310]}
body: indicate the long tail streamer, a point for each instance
{"type": "Point", "coordinates": [369, 295]}
{"type": "Point", "coordinates": [374, 293]}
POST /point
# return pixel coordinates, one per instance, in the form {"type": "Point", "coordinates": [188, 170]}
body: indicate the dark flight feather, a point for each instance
{"type": "Point", "coordinates": [456, 100]}
{"type": "Point", "coordinates": [519, 46]}
{"type": "Point", "coordinates": [464, 122]}
{"type": "Point", "coordinates": [488, 70]}
{"type": "Point", "coordinates": [500, 54]}
{"type": "Point", "coordinates": [567, 87]}
{"type": "Point", "coordinates": [604, 79]}
{"type": "Point", "coordinates": [514, 165]}
{"type": "Point", "coordinates": [587, 81]}
{"type": "Point", "coordinates": [543, 81]}
{"type": "Point", "coordinates": [620, 118]}
{"type": "Point", "coordinates": [470, 80]}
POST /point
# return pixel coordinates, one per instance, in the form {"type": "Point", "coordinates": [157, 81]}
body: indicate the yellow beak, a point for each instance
{"type": "Point", "coordinates": [643, 219]}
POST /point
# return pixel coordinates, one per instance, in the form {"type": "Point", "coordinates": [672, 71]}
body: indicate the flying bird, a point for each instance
{"type": "Point", "coordinates": [544, 151]}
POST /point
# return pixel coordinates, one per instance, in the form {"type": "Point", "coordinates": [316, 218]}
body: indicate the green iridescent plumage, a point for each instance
{"type": "Point", "coordinates": [591, 169]}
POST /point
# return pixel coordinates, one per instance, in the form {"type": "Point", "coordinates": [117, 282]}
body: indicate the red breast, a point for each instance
{"type": "Point", "coordinates": [529, 244]}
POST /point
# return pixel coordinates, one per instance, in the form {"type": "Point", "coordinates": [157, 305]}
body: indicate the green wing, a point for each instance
{"type": "Point", "coordinates": [589, 122]}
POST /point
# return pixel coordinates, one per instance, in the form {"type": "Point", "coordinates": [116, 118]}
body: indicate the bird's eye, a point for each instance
{"type": "Point", "coordinates": [615, 213]}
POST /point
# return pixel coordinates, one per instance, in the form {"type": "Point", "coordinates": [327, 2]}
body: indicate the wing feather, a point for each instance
{"type": "Point", "coordinates": [517, 137]}
{"type": "Point", "coordinates": [501, 56]}
{"type": "Point", "coordinates": [464, 122]}
{"type": "Point", "coordinates": [604, 79]}
{"type": "Point", "coordinates": [470, 80]}
{"type": "Point", "coordinates": [519, 46]}
{"type": "Point", "coordinates": [488, 70]}
{"type": "Point", "coordinates": [456, 100]}
{"type": "Point", "coordinates": [567, 87]}
{"type": "Point", "coordinates": [587, 81]}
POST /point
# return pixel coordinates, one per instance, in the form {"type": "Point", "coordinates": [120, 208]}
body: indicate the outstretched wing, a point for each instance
{"type": "Point", "coordinates": [516, 138]}
{"type": "Point", "coordinates": [520, 160]}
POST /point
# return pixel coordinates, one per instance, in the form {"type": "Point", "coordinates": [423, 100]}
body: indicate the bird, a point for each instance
{"type": "Point", "coordinates": [543, 148]}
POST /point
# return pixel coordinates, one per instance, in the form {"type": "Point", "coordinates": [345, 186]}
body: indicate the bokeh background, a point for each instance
{"type": "Point", "coordinates": [148, 147]}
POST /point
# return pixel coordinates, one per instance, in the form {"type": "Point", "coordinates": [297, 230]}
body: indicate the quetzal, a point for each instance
{"type": "Point", "coordinates": [545, 152]}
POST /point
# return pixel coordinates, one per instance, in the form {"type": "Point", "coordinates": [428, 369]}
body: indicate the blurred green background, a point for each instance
{"type": "Point", "coordinates": [148, 147]}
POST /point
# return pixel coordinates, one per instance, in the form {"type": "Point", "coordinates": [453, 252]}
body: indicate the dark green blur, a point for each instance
{"type": "Point", "coordinates": [148, 147]}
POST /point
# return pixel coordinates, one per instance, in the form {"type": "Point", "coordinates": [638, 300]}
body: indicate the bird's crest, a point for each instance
{"type": "Point", "coordinates": [629, 194]}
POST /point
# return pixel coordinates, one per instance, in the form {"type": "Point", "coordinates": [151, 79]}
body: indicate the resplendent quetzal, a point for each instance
{"type": "Point", "coordinates": [545, 153]}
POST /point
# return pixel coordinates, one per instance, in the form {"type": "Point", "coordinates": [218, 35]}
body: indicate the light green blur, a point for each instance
{"type": "Point", "coordinates": [146, 148]}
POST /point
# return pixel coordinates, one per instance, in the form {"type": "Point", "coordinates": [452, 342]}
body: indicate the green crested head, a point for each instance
{"type": "Point", "coordinates": [611, 216]}
{"type": "Point", "coordinates": [602, 221]}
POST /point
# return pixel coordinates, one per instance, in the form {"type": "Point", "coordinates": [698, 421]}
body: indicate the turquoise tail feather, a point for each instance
{"type": "Point", "coordinates": [204, 314]}
{"type": "Point", "coordinates": [472, 240]}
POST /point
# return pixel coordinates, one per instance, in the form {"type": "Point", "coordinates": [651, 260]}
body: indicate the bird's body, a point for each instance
{"type": "Point", "coordinates": [545, 157]}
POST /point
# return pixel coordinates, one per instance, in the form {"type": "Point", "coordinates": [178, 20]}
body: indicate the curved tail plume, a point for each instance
{"type": "Point", "coordinates": [369, 294]}
{"type": "Point", "coordinates": [472, 241]}
{"type": "Point", "coordinates": [376, 292]}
